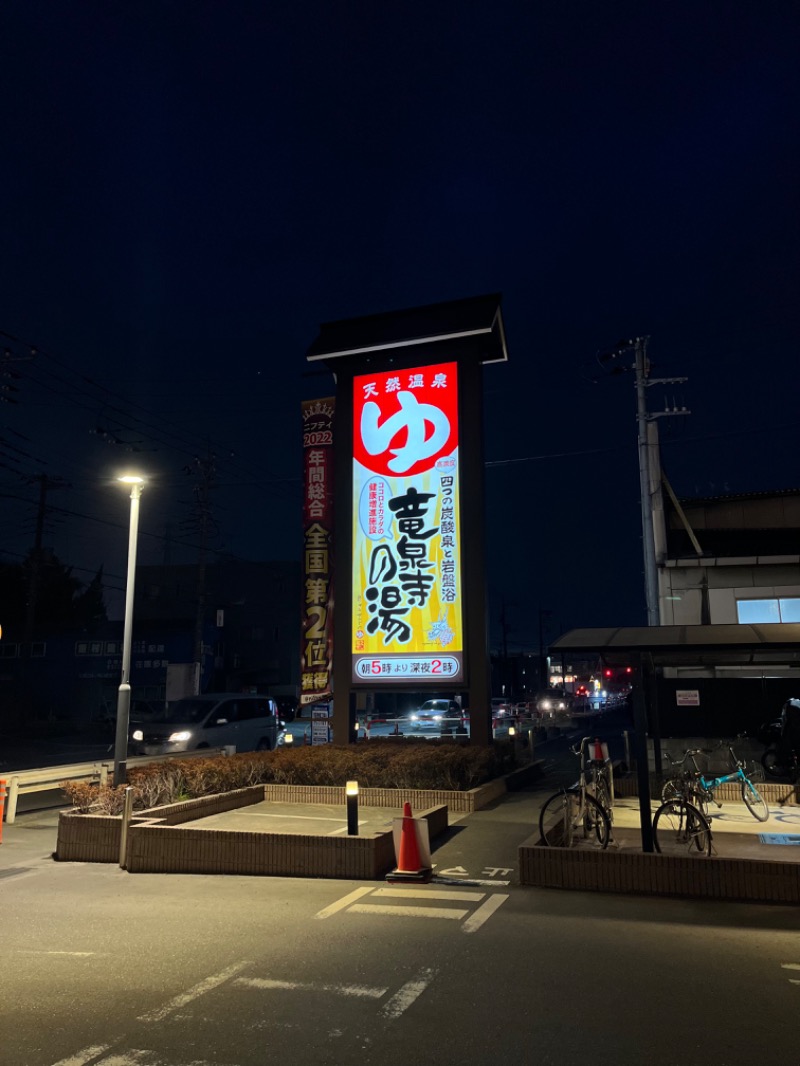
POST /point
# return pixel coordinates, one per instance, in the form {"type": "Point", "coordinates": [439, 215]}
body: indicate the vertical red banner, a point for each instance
{"type": "Point", "coordinates": [316, 664]}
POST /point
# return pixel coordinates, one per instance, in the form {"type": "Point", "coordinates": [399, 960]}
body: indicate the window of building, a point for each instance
{"type": "Point", "coordinates": [9, 651]}
{"type": "Point", "coordinates": [754, 612]}
{"type": "Point", "coordinates": [38, 649]}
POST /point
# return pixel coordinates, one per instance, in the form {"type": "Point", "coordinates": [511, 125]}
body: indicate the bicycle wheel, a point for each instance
{"type": "Point", "coordinates": [603, 796]}
{"type": "Point", "coordinates": [754, 801]}
{"type": "Point", "coordinates": [700, 798]}
{"type": "Point", "coordinates": [673, 789]}
{"type": "Point", "coordinates": [557, 819]}
{"type": "Point", "coordinates": [773, 765]}
{"type": "Point", "coordinates": [680, 829]}
{"type": "Point", "coordinates": [754, 770]}
{"type": "Point", "coordinates": [595, 820]}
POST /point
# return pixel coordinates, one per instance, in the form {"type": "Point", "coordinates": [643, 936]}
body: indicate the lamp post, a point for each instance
{"type": "Point", "coordinates": [124, 694]}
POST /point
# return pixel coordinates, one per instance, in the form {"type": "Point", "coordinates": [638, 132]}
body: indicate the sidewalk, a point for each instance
{"type": "Point", "coordinates": [29, 840]}
{"type": "Point", "coordinates": [735, 832]}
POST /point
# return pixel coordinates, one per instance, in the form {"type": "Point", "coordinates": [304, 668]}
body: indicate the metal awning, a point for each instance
{"type": "Point", "coordinates": [771, 643]}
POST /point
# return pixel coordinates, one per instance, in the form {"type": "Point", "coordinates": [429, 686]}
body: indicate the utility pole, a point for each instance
{"type": "Point", "coordinates": [654, 538]}
{"type": "Point", "coordinates": [206, 470]}
{"type": "Point", "coordinates": [653, 529]}
{"type": "Point", "coordinates": [504, 627]}
{"type": "Point", "coordinates": [543, 678]}
{"type": "Point", "coordinates": [37, 554]}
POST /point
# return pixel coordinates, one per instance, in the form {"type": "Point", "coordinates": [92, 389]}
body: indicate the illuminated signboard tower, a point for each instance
{"type": "Point", "coordinates": [410, 610]}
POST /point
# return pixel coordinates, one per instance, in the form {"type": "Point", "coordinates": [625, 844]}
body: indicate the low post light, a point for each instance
{"type": "Point", "coordinates": [351, 794]}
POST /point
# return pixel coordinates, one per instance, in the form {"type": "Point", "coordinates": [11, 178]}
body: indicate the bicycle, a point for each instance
{"type": "Point", "coordinates": [599, 780]}
{"type": "Point", "coordinates": [574, 812]}
{"type": "Point", "coordinates": [681, 828]}
{"type": "Point", "coordinates": [698, 790]}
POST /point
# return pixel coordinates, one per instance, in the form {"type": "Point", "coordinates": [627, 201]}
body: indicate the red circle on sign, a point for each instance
{"type": "Point", "coordinates": [427, 386]}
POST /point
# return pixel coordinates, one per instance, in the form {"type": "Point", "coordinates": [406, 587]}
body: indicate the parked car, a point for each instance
{"type": "Point", "coordinates": [215, 720]}
{"type": "Point", "coordinates": [300, 726]}
{"type": "Point", "coordinates": [501, 707]}
{"type": "Point", "coordinates": [435, 716]}
{"type": "Point", "coordinates": [526, 709]}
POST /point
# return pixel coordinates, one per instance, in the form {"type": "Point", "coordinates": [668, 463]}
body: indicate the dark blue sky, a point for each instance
{"type": "Point", "coordinates": [190, 188]}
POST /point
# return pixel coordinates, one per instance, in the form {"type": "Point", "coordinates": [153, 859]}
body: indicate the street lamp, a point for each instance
{"type": "Point", "coordinates": [124, 695]}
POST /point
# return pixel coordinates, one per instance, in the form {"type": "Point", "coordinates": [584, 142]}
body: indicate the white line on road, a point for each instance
{"type": "Point", "coordinates": [137, 1057]}
{"type": "Point", "coordinates": [291, 817]}
{"type": "Point", "coordinates": [72, 954]}
{"type": "Point", "coordinates": [81, 1058]}
{"type": "Point", "coordinates": [790, 965]}
{"type": "Point", "coordinates": [484, 913]}
{"type": "Point", "coordinates": [410, 991]}
{"type": "Point", "coordinates": [193, 993]}
{"type": "Point", "coordinates": [364, 991]}
{"type": "Point", "coordinates": [408, 912]}
{"type": "Point", "coordinates": [417, 893]}
{"type": "Point", "coordinates": [345, 901]}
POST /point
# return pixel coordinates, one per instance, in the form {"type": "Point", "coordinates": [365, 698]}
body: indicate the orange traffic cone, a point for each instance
{"type": "Point", "coordinates": [409, 867]}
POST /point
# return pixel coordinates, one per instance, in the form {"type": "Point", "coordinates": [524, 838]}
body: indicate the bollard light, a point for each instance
{"type": "Point", "coordinates": [288, 740]}
{"type": "Point", "coordinates": [512, 731]}
{"type": "Point", "coordinates": [351, 794]}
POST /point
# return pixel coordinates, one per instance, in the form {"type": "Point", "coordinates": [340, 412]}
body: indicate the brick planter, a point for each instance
{"type": "Point", "coordinates": [157, 843]}
{"type": "Point", "coordinates": [658, 875]}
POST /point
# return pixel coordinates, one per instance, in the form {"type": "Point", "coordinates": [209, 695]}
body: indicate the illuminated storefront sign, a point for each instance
{"type": "Point", "coordinates": [317, 621]}
{"type": "Point", "coordinates": [407, 606]}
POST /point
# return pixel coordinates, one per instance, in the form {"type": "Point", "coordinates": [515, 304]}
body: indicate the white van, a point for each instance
{"type": "Point", "coordinates": [216, 720]}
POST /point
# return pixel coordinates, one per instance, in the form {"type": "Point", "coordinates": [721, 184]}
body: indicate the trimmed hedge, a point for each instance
{"type": "Point", "coordinates": [432, 765]}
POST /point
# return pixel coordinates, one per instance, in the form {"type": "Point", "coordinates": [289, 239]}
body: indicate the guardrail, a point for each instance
{"type": "Point", "coordinates": [48, 778]}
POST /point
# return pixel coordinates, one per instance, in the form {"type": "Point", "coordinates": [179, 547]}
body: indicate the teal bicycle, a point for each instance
{"type": "Point", "coordinates": [694, 786]}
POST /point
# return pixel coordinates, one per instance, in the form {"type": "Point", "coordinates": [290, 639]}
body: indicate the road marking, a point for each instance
{"type": "Point", "coordinates": [790, 965]}
{"type": "Point", "coordinates": [72, 954]}
{"type": "Point", "coordinates": [137, 1057]}
{"type": "Point", "coordinates": [470, 881]}
{"type": "Point", "coordinates": [407, 912]}
{"type": "Point", "coordinates": [484, 913]}
{"type": "Point", "coordinates": [417, 893]}
{"type": "Point", "coordinates": [193, 993]}
{"type": "Point", "coordinates": [410, 992]}
{"type": "Point", "coordinates": [81, 1058]}
{"type": "Point", "coordinates": [363, 991]}
{"type": "Point", "coordinates": [340, 904]}
{"type": "Point", "coordinates": [293, 817]}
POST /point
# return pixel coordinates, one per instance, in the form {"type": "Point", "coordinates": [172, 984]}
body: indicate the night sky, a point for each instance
{"type": "Point", "coordinates": [190, 188]}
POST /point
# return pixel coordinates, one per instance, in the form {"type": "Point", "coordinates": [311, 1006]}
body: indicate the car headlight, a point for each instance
{"type": "Point", "coordinates": [183, 735]}
{"type": "Point", "coordinates": [414, 717]}
{"type": "Point", "coordinates": [437, 718]}
{"type": "Point", "coordinates": [137, 734]}
{"type": "Point", "coordinates": [546, 705]}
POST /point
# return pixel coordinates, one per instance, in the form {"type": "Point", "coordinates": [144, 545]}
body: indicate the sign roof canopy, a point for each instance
{"type": "Point", "coordinates": [477, 320]}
